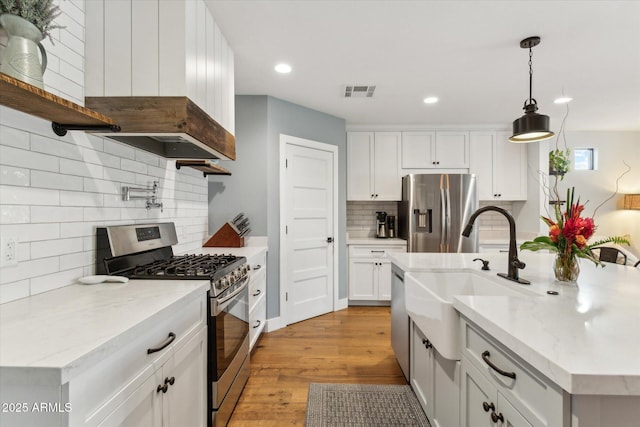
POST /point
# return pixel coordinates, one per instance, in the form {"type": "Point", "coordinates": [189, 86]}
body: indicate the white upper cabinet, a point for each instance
{"type": "Point", "coordinates": [372, 166]}
{"type": "Point", "coordinates": [500, 166]}
{"type": "Point", "coordinates": [160, 48]}
{"type": "Point", "coordinates": [435, 150]}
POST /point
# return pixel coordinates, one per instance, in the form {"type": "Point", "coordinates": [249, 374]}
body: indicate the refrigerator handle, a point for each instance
{"type": "Point", "coordinates": [448, 219]}
{"type": "Point", "coordinates": [443, 219]}
{"type": "Point", "coordinates": [430, 213]}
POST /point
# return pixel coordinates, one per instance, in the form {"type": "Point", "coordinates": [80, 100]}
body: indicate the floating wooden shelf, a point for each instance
{"type": "Point", "coordinates": [64, 114]}
{"type": "Point", "coordinates": [207, 167]}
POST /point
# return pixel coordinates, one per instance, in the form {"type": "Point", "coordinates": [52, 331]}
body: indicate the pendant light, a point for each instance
{"type": "Point", "coordinates": [531, 126]}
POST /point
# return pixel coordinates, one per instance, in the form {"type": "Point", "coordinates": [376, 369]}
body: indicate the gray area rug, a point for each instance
{"type": "Point", "coordinates": [363, 405]}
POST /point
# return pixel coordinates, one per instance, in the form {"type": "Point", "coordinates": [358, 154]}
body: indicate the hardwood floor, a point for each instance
{"type": "Point", "coordinates": [348, 346]}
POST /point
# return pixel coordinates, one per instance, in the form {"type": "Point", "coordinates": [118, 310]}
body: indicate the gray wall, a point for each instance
{"type": "Point", "coordinates": [254, 186]}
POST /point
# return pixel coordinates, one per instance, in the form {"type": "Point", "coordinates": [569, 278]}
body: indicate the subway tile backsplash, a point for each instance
{"type": "Point", "coordinates": [55, 191]}
{"type": "Point", "coordinates": [361, 216]}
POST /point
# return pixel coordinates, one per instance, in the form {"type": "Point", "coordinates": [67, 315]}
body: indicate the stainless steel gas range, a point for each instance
{"type": "Point", "coordinates": [144, 251]}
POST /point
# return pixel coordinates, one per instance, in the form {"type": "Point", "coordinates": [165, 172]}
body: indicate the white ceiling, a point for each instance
{"type": "Point", "coordinates": [465, 52]}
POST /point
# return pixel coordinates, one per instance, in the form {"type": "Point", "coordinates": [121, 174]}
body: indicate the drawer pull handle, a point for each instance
{"type": "Point", "coordinates": [377, 252]}
{"type": "Point", "coordinates": [257, 267]}
{"type": "Point", "coordinates": [488, 406]}
{"type": "Point", "coordinates": [164, 345]}
{"type": "Point", "coordinates": [258, 291]}
{"type": "Point", "coordinates": [257, 324]}
{"type": "Point", "coordinates": [485, 357]}
{"type": "Point", "coordinates": [497, 417]}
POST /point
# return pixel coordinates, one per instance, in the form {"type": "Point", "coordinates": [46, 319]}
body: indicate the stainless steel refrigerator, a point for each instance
{"type": "Point", "coordinates": [431, 216]}
{"type": "Point", "coordinates": [434, 210]}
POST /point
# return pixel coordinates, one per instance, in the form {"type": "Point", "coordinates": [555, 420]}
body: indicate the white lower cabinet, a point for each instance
{"type": "Point", "coordinates": [498, 388]}
{"type": "Point", "coordinates": [174, 395]}
{"type": "Point", "coordinates": [370, 272]}
{"type": "Point", "coordinates": [136, 387]}
{"type": "Point", "coordinates": [422, 370]}
{"type": "Point", "coordinates": [257, 296]}
{"type": "Point", "coordinates": [435, 381]}
{"type": "Point", "coordinates": [483, 405]}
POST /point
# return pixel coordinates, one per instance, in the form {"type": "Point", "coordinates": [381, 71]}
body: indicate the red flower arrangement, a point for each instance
{"type": "Point", "coordinates": [568, 236]}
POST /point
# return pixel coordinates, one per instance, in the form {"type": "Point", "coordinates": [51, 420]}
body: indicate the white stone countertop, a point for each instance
{"type": "Point", "coordinates": [58, 334]}
{"type": "Point", "coordinates": [253, 246]}
{"type": "Point", "coordinates": [375, 241]}
{"type": "Point", "coordinates": [585, 339]}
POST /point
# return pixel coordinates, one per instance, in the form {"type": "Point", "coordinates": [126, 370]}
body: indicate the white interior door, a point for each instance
{"type": "Point", "coordinates": [308, 263]}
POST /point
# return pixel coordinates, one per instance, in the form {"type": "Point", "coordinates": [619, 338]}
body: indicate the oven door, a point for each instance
{"type": "Point", "coordinates": [228, 343]}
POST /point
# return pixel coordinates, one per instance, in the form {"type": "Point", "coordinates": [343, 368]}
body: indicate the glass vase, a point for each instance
{"type": "Point", "coordinates": [566, 268]}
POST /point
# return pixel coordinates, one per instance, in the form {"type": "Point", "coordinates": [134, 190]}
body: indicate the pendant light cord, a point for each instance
{"type": "Point", "coordinates": [530, 76]}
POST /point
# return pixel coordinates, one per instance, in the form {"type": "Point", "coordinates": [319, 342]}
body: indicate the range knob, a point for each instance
{"type": "Point", "coordinates": [222, 283]}
{"type": "Point", "coordinates": [232, 278]}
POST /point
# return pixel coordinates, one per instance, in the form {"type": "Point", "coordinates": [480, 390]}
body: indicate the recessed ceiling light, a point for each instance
{"type": "Point", "coordinates": [283, 68]}
{"type": "Point", "coordinates": [431, 100]}
{"type": "Point", "coordinates": [562, 100]}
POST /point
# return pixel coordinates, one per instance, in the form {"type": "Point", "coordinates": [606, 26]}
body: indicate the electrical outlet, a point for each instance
{"type": "Point", "coordinates": [8, 251]}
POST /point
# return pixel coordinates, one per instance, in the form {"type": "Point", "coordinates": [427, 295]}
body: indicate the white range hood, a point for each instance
{"type": "Point", "coordinates": [164, 72]}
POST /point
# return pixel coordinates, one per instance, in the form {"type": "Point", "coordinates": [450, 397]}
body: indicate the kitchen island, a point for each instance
{"type": "Point", "coordinates": [584, 340]}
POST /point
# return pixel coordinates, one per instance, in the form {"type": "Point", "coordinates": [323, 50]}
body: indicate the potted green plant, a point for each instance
{"type": "Point", "coordinates": [40, 13]}
{"type": "Point", "coordinates": [26, 22]}
{"type": "Point", "coordinates": [559, 162]}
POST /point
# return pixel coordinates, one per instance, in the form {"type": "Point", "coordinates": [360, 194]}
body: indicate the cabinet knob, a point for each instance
{"type": "Point", "coordinates": [497, 417]}
{"type": "Point", "coordinates": [433, 163]}
{"type": "Point", "coordinates": [170, 381]}
{"type": "Point", "coordinates": [427, 343]}
{"type": "Point", "coordinates": [437, 163]}
{"type": "Point", "coordinates": [488, 406]}
{"type": "Point", "coordinates": [162, 388]}
{"type": "Point", "coordinates": [257, 267]}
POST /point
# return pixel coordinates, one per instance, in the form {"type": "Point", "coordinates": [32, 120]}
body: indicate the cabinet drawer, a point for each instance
{"type": "Point", "coordinates": [257, 319]}
{"type": "Point", "coordinates": [374, 251]}
{"type": "Point", "coordinates": [93, 391]}
{"type": "Point", "coordinates": [536, 397]}
{"type": "Point", "coordinates": [257, 284]}
{"type": "Point", "coordinates": [258, 260]}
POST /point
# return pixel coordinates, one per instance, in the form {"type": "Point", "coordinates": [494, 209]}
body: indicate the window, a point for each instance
{"type": "Point", "coordinates": [585, 159]}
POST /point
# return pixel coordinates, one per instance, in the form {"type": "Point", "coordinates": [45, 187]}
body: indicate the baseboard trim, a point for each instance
{"type": "Point", "coordinates": [341, 304]}
{"type": "Point", "coordinates": [276, 323]}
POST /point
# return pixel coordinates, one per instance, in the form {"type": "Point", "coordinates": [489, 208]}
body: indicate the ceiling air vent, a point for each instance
{"type": "Point", "coordinates": [359, 91]}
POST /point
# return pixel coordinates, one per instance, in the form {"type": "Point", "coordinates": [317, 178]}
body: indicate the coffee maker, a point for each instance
{"type": "Point", "coordinates": [381, 225]}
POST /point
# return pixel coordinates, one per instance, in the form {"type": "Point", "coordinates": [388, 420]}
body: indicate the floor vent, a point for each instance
{"type": "Point", "coordinates": [359, 91]}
